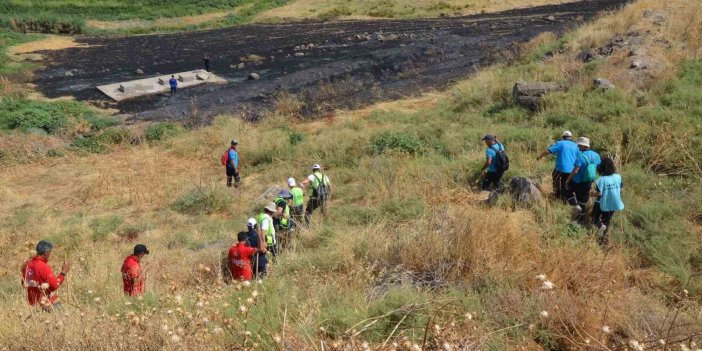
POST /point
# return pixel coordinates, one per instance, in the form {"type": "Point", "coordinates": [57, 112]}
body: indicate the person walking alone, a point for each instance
{"type": "Point", "coordinates": [230, 160]}
{"type": "Point", "coordinates": [174, 85]}
{"type": "Point", "coordinates": [609, 189]}
{"type": "Point", "coordinates": [580, 179]}
{"type": "Point", "coordinates": [133, 277]}
{"type": "Point", "coordinates": [206, 60]}
{"type": "Point", "coordinates": [321, 192]}
{"type": "Point", "coordinates": [494, 167]}
{"type": "Point", "coordinates": [39, 279]}
{"type": "Point", "coordinates": [566, 153]}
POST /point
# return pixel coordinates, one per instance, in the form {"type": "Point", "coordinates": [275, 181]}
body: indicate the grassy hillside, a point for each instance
{"type": "Point", "coordinates": [408, 258]}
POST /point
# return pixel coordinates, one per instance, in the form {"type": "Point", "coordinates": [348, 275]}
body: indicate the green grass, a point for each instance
{"type": "Point", "coordinates": [70, 16]}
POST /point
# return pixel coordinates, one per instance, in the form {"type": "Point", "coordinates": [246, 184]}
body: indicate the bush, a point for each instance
{"type": "Point", "coordinates": [103, 226]}
{"type": "Point", "coordinates": [335, 13]}
{"type": "Point", "coordinates": [402, 142]}
{"type": "Point", "coordinates": [101, 143]}
{"type": "Point", "coordinates": [201, 200]}
{"type": "Point", "coordinates": [162, 131]}
{"type": "Point", "coordinates": [52, 117]}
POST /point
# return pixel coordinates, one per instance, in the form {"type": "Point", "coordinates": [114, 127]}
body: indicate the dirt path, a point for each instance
{"type": "Point", "coordinates": [349, 64]}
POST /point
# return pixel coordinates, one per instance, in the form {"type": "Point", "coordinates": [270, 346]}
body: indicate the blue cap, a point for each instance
{"type": "Point", "coordinates": [488, 137]}
{"type": "Point", "coordinates": [285, 194]}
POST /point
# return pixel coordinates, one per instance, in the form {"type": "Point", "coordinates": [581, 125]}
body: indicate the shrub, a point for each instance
{"type": "Point", "coordinates": [162, 131]}
{"type": "Point", "coordinates": [402, 142]}
{"type": "Point", "coordinates": [201, 200]}
{"type": "Point", "coordinates": [102, 226]}
{"type": "Point", "coordinates": [101, 143]}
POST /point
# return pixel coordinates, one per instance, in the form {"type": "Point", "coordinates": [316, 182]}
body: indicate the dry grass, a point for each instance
{"type": "Point", "coordinates": [161, 23]}
{"type": "Point", "coordinates": [467, 274]}
{"type": "Point", "coordinates": [300, 9]}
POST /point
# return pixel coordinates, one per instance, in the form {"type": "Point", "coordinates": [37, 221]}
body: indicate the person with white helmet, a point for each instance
{"type": "Point", "coordinates": [566, 153]}
{"type": "Point", "coordinates": [254, 240]}
{"type": "Point", "coordinates": [298, 201]}
{"type": "Point", "coordinates": [321, 191]}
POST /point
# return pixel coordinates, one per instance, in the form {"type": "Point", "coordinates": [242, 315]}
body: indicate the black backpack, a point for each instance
{"type": "Point", "coordinates": [501, 161]}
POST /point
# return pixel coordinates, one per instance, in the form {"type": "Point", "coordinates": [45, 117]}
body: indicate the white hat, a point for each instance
{"type": "Point", "coordinates": [291, 181]}
{"type": "Point", "coordinates": [568, 134]}
{"type": "Point", "coordinates": [251, 222]}
{"type": "Point", "coordinates": [270, 207]}
{"type": "Point", "coordinates": [583, 141]}
{"type": "Point", "coordinates": [316, 166]}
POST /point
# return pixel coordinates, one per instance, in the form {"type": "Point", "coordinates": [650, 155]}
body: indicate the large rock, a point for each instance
{"type": "Point", "coordinates": [523, 190]}
{"type": "Point", "coordinates": [254, 76]}
{"type": "Point", "coordinates": [530, 94]}
{"type": "Point", "coordinates": [604, 84]}
{"type": "Point", "coordinates": [139, 71]}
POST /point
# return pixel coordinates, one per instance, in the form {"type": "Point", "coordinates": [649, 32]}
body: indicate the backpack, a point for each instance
{"type": "Point", "coordinates": [590, 171]}
{"type": "Point", "coordinates": [322, 191]}
{"type": "Point", "coordinates": [501, 160]}
{"type": "Point", "coordinates": [225, 158]}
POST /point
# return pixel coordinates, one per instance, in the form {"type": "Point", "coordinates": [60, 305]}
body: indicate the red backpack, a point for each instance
{"type": "Point", "coordinates": [225, 158]}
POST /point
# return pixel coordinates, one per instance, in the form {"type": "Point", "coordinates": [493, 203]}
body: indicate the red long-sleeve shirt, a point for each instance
{"type": "Point", "coordinates": [240, 261]}
{"type": "Point", "coordinates": [40, 281]}
{"type": "Point", "coordinates": [131, 276]}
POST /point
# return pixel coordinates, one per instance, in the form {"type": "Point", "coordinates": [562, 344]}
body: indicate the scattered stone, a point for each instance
{"type": "Point", "coordinates": [299, 54]}
{"type": "Point", "coordinates": [379, 37]}
{"type": "Point", "coordinates": [254, 76]}
{"type": "Point", "coordinates": [604, 84]}
{"type": "Point", "coordinates": [69, 74]}
{"type": "Point", "coordinates": [139, 71]}
{"type": "Point", "coordinates": [551, 18]}
{"type": "Point", "coordinates": [392, 37]}
{"type": "Point", "coordinates": [241, 65]}
{"type": "Point", "coordinates": [638, 64]}
{"type": "Point", "coordinates": [585, 56]}
{"type": "Point", "coordinates": [530, 94]}
{"type": "Point", "coordinates": [524, 191]}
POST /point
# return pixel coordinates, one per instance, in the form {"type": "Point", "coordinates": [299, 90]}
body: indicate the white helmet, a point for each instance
{"type": "Point", "coordinates": [291, 181]}
{"type": "Point", "coordinates": [316, 166]}
{"type": "Point", "coordinates": [251, 222]}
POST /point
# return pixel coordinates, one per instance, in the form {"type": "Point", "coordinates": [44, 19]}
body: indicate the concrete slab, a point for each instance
{"type": "Point", "coordinates": [158, 85]}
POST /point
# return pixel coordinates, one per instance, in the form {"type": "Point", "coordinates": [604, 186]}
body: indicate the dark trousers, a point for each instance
{"type": "Point", "coordinates": [207, 65]}
{"type": "Point", "coordinates": [494, 179]}
{"type": "Point", "coordinates": [560, 188]}
{"type": "Point", "coordinates": [312, 205]}
{"type": "Point", "coordinates": [579, 194]}
{"type": "Point", "coordinates": [297, 213]}
{"type": "Point", "coordinates": [173, 90]}
{"type": "Point", "coordinates": [232, 174]}
{"type": "Point", "coordinates": [599, 218]}
{"type": "Point", "coordinates": [258, 265]}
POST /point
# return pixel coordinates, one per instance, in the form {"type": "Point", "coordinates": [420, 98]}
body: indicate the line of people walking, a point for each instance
{"type": "Point", "coordinates": [577, 167]}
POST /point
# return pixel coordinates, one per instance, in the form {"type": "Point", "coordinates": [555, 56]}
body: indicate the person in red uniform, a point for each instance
{"type": "Point", "coordinates": [39, 279]}
{"type": "Point", "coordinates": [240, 258]}
{"type": "Point", "coordinates": [132, 275]}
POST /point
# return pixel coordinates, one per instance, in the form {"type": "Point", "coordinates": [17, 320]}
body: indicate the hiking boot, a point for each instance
{"type": "Point", "coordinates": [601, 232]}
{"type": "Point", "coordinates": [577, 211]}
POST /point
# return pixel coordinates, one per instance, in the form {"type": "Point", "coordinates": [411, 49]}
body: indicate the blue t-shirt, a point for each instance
{"type": "Point", "coordinates": [566, 152]}
{"type": "Point", "coordinates": [233, 157]}
{"type": "Point", "coordinates": [173, 82]}
{"type": "Point", "coordinates": [584, 159]}
{"type": "Point", "coordinates": [611, 189]}
{"type": "Point", "coordinates": [492, 153]}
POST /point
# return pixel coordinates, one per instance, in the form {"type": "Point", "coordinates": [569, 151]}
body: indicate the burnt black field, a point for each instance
{"type": "Point", "coordinates": [357, 62]}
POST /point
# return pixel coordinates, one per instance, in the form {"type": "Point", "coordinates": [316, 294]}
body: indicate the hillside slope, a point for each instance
{"type": "Point", "coordinates": [408, 258]}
